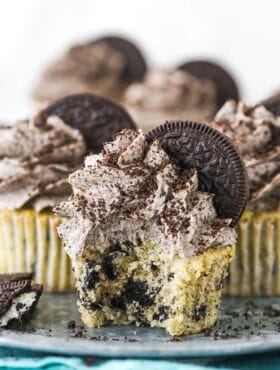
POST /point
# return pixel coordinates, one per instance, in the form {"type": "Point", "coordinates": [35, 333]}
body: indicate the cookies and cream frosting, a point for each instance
{"type": "Point", "coordinates": [169, 90]}
{"type": "Point", "coordinates": [35, 161]}
{"type": "Point", "coordinates": [84, 68]}
{"type": "Point", "coordinates": [256, 133]}
{"type": "Point", "coordinates": [132, 191]}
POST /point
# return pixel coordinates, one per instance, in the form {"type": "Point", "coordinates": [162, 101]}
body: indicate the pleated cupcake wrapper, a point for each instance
{"type": "Point", "coordinates": [29, 242]}
{"type": "Point", "coordinates": [256, 269]}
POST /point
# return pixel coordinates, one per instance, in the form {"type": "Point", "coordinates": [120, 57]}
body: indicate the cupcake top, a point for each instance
{"type": "Point", "coordinates": [169, 90]}
{"type": "Point", "coordinates": [104, 66]}
{"type": "Point", "coordinates": [34, 162]}
{"type": "Point", "coordinates": [256, 132]}
{"type": "Point", "coordinates": [84, 68]}
{"type": "Point", "coordinates": [133, 190]}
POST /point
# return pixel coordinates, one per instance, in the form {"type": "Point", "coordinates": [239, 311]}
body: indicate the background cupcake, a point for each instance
{"type": "Point", "coordinates": [36, 156]}
{"type": "Point", "coordinates": [256, 132]}
{"type": "Point", "coordinates": [34, 162]}
{"type": "Point", "coordinates": [104, 66]}
{"type": "Point", "coordinates": [167, 94]}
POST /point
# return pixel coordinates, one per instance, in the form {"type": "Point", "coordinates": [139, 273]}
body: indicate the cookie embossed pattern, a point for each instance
{"type": "Point", "coordinates": [220, 168]}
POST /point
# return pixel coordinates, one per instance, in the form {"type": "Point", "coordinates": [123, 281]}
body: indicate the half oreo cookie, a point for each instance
{"type": "Point", "coordinates": [18, 299]}
{"type": "Point", "coordinates": [220, 168]}
{"type": "Point", "coordinates": [135, 68]}
{"type": "Point", "coordinates": [97, 118]}
{"type": "Point", "coordinates": [272, 104]}
{"type": "Point", "coordinates": [225, 85]}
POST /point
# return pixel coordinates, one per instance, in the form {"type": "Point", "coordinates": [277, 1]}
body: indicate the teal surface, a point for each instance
{"type": "Point", "coordinates": [14, 359]}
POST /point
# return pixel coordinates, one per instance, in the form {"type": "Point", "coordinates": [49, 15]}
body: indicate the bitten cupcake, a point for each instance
{"type": "Point", "coordinates": [172, 94]}
{"type": "Point", "coordinates": [104, 67]}
{"type": "Point", "coordinates": [34, 162]}
{"type": "Point", "coordinates": [151, 239]}
{"type": "Point", "coordinates": [256, 132]}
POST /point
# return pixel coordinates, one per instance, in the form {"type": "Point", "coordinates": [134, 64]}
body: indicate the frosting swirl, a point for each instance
{"type": "Point", "coordinates": [169, 90]}
{"type": "Point", "coordinates": [84, 68]}
{"type": "Point", "coordinates": [133, 190]}
{"type": "Point", "coordinates": [256, 132]}
{"type": "Point", "coordinates": [35, 161]}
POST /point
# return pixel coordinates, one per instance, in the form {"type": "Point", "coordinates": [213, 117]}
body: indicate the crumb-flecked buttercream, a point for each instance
{"type": "Point", "coordinates": [256, 133]}
{"type": "Point", "coordinates": [133, 190]}
{"type": "Point", "coordinates": [35, 160]}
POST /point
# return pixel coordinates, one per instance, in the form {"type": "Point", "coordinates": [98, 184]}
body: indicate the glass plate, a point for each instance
{"type": "Point", "coordinates": [244, 326]}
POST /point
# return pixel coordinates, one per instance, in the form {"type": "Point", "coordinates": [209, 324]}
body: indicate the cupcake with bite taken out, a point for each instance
{"type": "Point", "coordinates": [149, 227]}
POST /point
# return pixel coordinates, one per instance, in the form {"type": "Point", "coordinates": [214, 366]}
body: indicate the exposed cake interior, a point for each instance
{"type": "Point", "coordinates": [146, 246]}
{"type": "Point", "coordinates": [140, 284]}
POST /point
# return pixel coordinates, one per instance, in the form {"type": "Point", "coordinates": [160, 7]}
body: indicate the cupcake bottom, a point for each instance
{"type": "Point", "coordinates": [29, 242]}
{"type": "Point", "coordinates": [256, 269]}
{"type": "Point", "coordinates": [141, 284]}
{"type": "Point", "coordinates": [149, 119]}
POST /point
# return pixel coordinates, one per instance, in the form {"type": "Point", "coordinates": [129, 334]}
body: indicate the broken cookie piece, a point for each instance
{"type": "Point", "coordinates": [18, 299]}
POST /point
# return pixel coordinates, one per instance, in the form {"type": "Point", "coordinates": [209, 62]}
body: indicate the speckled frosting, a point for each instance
{"type": "Point", "coordinates": [84, 68]}
{"type": "Point", "coordinates": [167, 94]}
{"type": "Point", "coordinates": [35, 161]}
{"type": "Point", "coordinates": [133, 191]}
{"type": "Point", "coordinates": [256, 132]}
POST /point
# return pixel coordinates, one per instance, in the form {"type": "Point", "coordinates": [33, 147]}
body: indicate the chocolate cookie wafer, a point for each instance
{"type": "Point", "coordinates": [18, 299]}
{"type": "Point", "coordinates": [223, 81]}
{"type": "Point", "coordinates": [220, 168]}
{"type": "Point", "coordinates": [135, 66]}
{"type": "Point", "coordinates": [98, 118]}
{"type": "Point", "coordinates": [272, 104]}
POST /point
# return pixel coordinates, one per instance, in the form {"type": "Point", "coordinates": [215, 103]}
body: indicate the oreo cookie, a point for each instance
{"type": "Point", "coordinates": [5, 278]}
{"type": "Point", "coordinates": [272, 104]}
{"type": "Point", "coordinates": [17, 290]}
{"type": "Point", "coordinates": [226, 87]}
{"type": "Point", "coordinates": [135, 67]}
{"type": "Point", "coordinates": [97, 118]}
{"type": "Point", "coordinates": [220, 168]}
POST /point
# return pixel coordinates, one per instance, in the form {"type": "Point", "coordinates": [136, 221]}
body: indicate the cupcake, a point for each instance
{"type": "Point", "coordinates": [272, 104]}
{"type": "Point", "coordinates": [225, 85]}
{"type": "Point", "coordinates": [256, 132]}
{"type": "Point", "coordinates": [104, 67]}
{"type": "Point", "coordinates": [34, 162]}
{"type": "Point", "coordinates": [171, 94]}
{"type": "Point", "coordinates": [36, 157]}
{"type": "Point", "coordinates": [148, 246]}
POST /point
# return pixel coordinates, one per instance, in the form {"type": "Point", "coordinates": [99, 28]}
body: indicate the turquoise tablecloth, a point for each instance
{"type": "Point", "coordinates": [12, 359]}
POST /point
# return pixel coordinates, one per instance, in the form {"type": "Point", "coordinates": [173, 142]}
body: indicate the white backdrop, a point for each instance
{"type": "Point", "coordinates": [244, 34]}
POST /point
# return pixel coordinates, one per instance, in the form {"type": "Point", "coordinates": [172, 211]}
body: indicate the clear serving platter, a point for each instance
{"type": "Point", "coordinates": [244, 326]}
